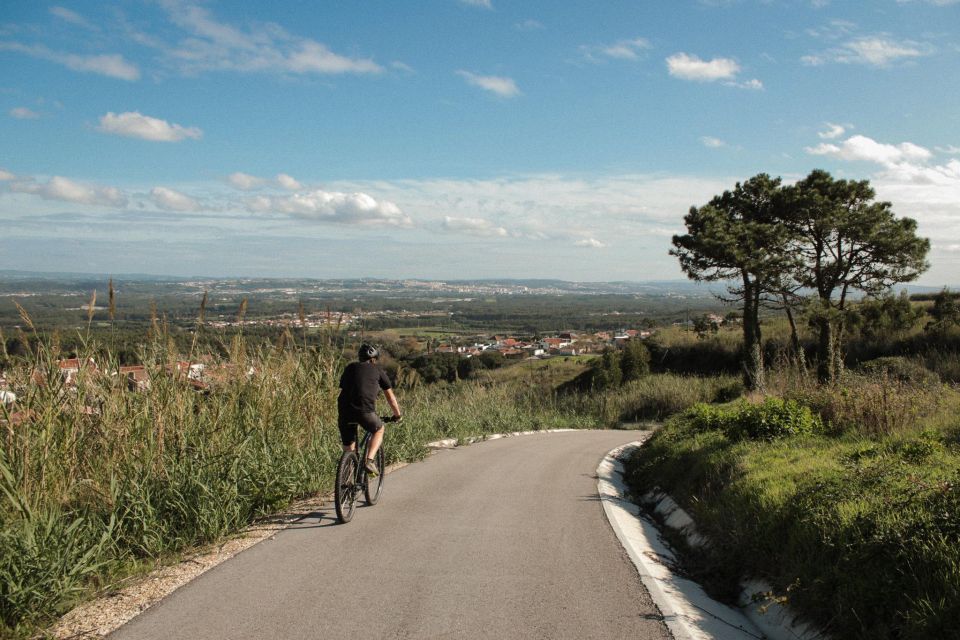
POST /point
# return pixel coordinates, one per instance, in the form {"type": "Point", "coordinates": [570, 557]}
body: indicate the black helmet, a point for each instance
{"type": "Point", "coordinates": [367, 352]}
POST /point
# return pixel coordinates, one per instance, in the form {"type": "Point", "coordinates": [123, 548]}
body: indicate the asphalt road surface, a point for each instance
{"type": "Point", "coordinates": [501, 539]}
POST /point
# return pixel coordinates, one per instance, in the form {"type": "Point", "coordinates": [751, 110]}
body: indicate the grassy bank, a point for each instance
{"type": "Point", "coordinates": [846, 499]}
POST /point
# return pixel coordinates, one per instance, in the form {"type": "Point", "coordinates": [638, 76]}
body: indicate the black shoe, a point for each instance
{"type": "Point", "coordinates": [371, 466]}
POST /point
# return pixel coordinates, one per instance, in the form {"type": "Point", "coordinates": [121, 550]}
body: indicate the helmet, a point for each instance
{"type": "Point", "coordinates": [367, 352]}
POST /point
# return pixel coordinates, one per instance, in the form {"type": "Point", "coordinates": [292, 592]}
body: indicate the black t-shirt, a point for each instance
{"type": "Point", "coordinates": [359, 386]}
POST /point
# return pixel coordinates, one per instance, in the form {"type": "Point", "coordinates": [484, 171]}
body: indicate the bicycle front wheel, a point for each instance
{"type": "Point", "coordinates": [345, 490]}
{"type": "Point", "coordinates": [374, 485]}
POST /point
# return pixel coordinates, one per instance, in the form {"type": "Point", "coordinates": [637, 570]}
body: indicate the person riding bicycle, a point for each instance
{"type": "Point", "coordinates": [360, 384]}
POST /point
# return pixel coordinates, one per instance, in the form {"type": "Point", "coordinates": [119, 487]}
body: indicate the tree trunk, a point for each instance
{"type": "Point", "coordinates": [826, 348]}
{"type": "Point", "coordinates": [798, 355]}
{"type": "Point", "coordinates": [753, 373]}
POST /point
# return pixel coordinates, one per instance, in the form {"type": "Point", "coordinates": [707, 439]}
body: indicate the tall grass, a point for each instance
{"type": "Point", "coordinates": [95, 477]}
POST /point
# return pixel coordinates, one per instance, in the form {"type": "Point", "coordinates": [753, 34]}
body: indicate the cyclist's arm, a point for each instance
{"type": "Point", "coordinates": [392, 401]}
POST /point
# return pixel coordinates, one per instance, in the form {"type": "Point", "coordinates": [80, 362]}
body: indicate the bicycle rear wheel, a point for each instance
{"type": "Point", "coordinates": [373, 486]}
{"type": "Point", "coordinates": [345, 490]}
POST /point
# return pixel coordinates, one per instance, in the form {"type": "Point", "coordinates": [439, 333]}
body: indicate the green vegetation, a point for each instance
{"type": "Point", "coordinates": [98, 481]}
{"type": "Point", "coordinates": [843, 497]}
{"type": "Point", "coordinates": [821, 235]}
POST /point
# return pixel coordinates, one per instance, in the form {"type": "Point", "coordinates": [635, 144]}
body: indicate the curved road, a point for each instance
{"type": "Point", "coordinates": [501, 539]}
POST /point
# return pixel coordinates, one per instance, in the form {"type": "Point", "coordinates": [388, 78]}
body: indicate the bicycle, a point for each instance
{"type": "Point", "coordinates": [352, 477]}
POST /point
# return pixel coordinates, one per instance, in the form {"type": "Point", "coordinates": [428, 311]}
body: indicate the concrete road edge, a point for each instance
{"type": "Point", "coordinates": [688, 612]}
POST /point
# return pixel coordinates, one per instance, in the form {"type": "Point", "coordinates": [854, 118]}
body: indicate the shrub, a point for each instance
{"type": "Point", "coordinates": [773, 418]}
{"type": "Point", "coordinates": [900, 369]}
{"type": "Point", "coordinates": [870, 406]}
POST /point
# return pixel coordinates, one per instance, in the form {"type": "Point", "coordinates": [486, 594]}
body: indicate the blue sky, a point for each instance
{"type": "Point", "coordinates": [453, 138]}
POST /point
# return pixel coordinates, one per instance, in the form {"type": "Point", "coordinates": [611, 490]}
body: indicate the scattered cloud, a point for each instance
{"type": "Point", "coordinates": [938, 3]}
{"type": "Point", "coordinates": [245, 181]}
{"type": "Point", "coordinates": [502, 86]}
{"type": "Point", "coordinates": [862, 148]}
{"type": "Point", "coordinates": [401, 66]}
{"type": "Point", "coordinates": [217, 46]}
{"type": "Point", "coordinates": [24, 113]}
{"type": "Point", "coordinates": [529, 25]}
{"type": "Point", "coordinates": [473, 226]}
{"type": "Point", "coordinates": [134, 124]}
{"type": "Point", "coordinates": [832, 131]}
{"type": "Point", "coordinates": [619, 50]}
{"type": "Point", "coordinates": [327, 206]}
{"type": "Point", "coordinates": [59, 188]}
{"type": "Point", "coordinates": [288, 182]}
{"type": "Point", "coordinates": [483, 4]}
{"type": "Point", "coordinates": [110, 65]}
{"type": "Point", "coordinates": [691, 67]}
{"type": "Point", "coordinates": [711, 142]}
{"type": "Point", "coordinates": [74, 18]}
{"type": "Point", "coordinates": [6, 175]}
{"type": "Point", "coordinates": [753, 84]}
{"type": "Point", "coordinates": [173, 200]}
{"type": "Point", "coordinates": [950, 148]}
{"type": "Point", "coordinates": [590, 243]}
{"type": "Point", "coordinates": [875, 51]}
{"type": "Point", "coordinates": [833, 30]}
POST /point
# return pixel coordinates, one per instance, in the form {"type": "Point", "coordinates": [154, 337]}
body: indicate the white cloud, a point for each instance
{"type": "Point", "coordinates": [346, 208]}
{"type": "Point", "coordinates": [590, 243]}
{"type": "Point", "coordinates": [862, 148]}
{"type": "Point", "coordinates": [23, 113]}
{"type": "Point", "coordinates": [711, 142]}
{"type": "Point", "coordinates": [754, 84]}
{"type": "Point", "coordinates": [317, 58]}
{"type": "Point", "coordinates": [691, 67]}
{"type": "Point", "coordinates": [473, 226]}
{"type": "Point", "coordinates": [833, 30]}
{"type": "Point", "coordinates": [134, 124]}
{"type": "Point", "coordinates": [401, 66]}
{"type": "Point", "coordinates": [217, 46]}
{"type": "Point", "coordinates": [173, 200]}
{"type": "Point", "coordinates": [245, 181]}
{"type": "Point", "coordinates": [502, 86]}
{"type": "Point", "coordinates": [483, 4]}
{"type": "Point", "coordinates": [6, 175]}
{"type": "Point", "coordinates": [876, 51]}
{"type": "Point", "coordinates": [59, 188]}
{"type": "Point", "coordinates": [72, 17]}
{"type": "Point", "coordinates": [950, 149]}
{"type": "Point", "coordinates": [619, 50]}
{"type": "Point", "coordinates": [528, 25]}
{"type": "Point", "coordinates": [288, 182]}
{"type": "Point", "coordinates": [938, 3]}
{"type": "Point", "coordinates": [110, 65]}
{"type": "Point", "coordinates": [832, 131]}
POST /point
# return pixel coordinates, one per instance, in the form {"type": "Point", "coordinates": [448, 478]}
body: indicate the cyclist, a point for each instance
{"type": "Point", "coordinates": [360, 384]}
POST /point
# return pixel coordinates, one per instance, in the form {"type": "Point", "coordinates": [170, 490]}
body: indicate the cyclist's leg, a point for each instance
{"type": "Point", "coordinates": [348, 432]}
{"type": "Point", "coordinates": [374, 426]}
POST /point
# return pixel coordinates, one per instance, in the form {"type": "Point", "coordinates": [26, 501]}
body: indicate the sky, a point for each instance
{"type": "Point", "coordinates": [453, 139]}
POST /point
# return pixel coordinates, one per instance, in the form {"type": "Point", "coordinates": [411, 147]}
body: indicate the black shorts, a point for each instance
{"type": "Point", "coordinates": [371, 422]}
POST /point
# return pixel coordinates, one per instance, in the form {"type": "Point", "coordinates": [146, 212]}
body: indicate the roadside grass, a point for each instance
{"type": "Point", "coordinates": [99, 482]}
{"type": "Point", "coordinates": [857, 525]}
{"type": "Point", "coordinates": [547, 373]}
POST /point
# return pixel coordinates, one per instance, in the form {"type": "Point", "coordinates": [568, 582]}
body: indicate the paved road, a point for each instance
{"type": "Point", "coordinates": [502, 539]}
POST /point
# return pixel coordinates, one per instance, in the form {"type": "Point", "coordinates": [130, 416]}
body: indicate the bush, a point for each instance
{"type": "Point", "coordinates": [659, 396]}
{"type": "Point", "coordinates": [773, 418]}
{"type": "Point", "coordinates": [900, 369]}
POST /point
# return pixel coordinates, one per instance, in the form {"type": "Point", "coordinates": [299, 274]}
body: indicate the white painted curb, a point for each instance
{"type": "Point", "coordinates": [688, 612]}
